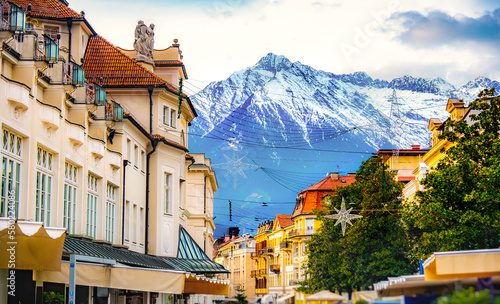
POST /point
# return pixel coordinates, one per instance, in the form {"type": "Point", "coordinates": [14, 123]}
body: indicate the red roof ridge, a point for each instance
{"type": "Point", "coordinates": [133, 60]}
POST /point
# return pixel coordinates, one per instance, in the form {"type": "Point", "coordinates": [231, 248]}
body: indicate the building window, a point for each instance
{"type": "Point", "coordinates": [142, 231]}
{"type": "Point", "coordinates": [110, 212]}
{"type": "Point", "coordinates": [92, 196]}
{"type": "Point", "coordinates": [11, 173]}
{"type": "Point", "coordinates": [129, 149]}
{"type": "Point", "coordinates": [165, 115]}
{"type": "Point", "coordinates": [143, 160]}
{"type": "Point", "coordinates": [134, 224]}
{"type": "Point", "coordinates": [173, 118]}
{"type": "Point", "coordinates": [167, 193]}
{"type": "Point", "coordinates": [309, 226]}
{"type": "Point", "coordinates": [70, 186]}
{"type": "Point", "coordinates": [127, 221]}
{"type": "Point", "coordinates": [44, 161]}
{"type": "Point", "coordinates": [136, 156]}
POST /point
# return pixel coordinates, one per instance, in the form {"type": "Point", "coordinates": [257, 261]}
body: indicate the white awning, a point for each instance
{"type": "Point", "coordinates": [285, 297]}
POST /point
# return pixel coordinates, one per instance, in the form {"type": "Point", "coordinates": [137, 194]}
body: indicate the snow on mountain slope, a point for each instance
{"type": "Point", "coordinates": [281, 103]}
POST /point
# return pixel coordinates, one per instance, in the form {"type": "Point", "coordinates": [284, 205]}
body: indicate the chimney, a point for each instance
{"type": "Point", "coordinates": [334, 176]}
{"type": "Point", "coordinates": [415, 147]}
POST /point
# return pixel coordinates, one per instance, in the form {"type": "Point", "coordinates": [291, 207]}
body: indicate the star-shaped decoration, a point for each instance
{"type": "Point", "coordinates": [343, 216]}
{"type": "Point", "coordinates": [235, 166]}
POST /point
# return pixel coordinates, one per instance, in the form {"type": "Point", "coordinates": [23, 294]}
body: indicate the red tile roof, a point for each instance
{"type": "Point", "coordinates": [310, 198]}
{"type": "Point", "coordinates": [105, 61]}
{"type": "Point", "coordinates": [284, 220]}
{"type": "Point", "coordinates": [53, 9]}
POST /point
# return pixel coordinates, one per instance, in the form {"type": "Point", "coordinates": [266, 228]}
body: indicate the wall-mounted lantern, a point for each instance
{"type": "Point", "coordinates": [78, 75]}
{"type": "Point", "coordinates": [100, 95]}
{"type": "Point", "coordinates": [51, 50]}
{"type": "Point", "coordinates": [17, 19]}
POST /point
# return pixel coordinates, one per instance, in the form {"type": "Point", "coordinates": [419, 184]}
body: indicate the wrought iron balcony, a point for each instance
{"type": "Point", "coordinates": [275, 268]}
{"type": "Point", "coordinates": [287, 245]}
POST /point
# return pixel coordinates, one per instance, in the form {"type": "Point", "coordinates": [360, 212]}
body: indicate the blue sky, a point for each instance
{"type": "Point", "coordinates": [456, 40]}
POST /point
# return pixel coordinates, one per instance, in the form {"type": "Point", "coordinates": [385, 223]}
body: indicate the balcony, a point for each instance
{"type": "Point", "coordinates": [18, 95]}
{"type": "Point", "coordinates": [253, 273]}
{"type": "Point", "coordinates": [50, 117]}
{"type": "Point", "coordinates": [267, 250]}
{"type": "Point", "coordinates": [287, 245]}
{"type": "Point", "coordinates": [97, 148]}
{"type": "Point", "coordinates": [75, 133]}
{"type": "Point", "coordinates": [261, 272]}
{"type": "Point", "coordinates": [276, 268]}
{"type": "Point", "coordinates": [114, 160]}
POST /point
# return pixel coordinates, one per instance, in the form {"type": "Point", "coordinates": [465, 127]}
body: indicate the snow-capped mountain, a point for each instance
{"type": "Point", "coordinates": [291, 121]}
{"type": "Point", "coordinates": [280, 103]}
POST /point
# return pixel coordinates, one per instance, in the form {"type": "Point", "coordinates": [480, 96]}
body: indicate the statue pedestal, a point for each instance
{"type": "Point", "coordinates": [145, 62]}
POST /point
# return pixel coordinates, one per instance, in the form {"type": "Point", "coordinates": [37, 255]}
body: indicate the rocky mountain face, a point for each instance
{"type": "Point", "coordinates": [279, 103]}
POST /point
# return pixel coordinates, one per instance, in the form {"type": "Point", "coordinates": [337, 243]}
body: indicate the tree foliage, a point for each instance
{"type": "Point", "coordinates": [460, 207]}
{"type": "Point", "coordinates": [374, 248]}
{"type": "Point", "coordinates": [468, 296]}
{"type": "Point", "coordinates": [241, 296]}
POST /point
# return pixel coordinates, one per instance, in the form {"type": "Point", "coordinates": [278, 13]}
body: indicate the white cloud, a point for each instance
{"type": "Point", "coordinates": [220, 37]}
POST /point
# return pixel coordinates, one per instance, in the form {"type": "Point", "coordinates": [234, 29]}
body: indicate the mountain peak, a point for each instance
{"type": "Point", "coordinates": [274, 63]}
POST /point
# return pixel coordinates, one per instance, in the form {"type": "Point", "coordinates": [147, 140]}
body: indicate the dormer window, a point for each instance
{"type": "Point", "coordinates": [51, 50]}
{"type": "Point", "coordinates": [78, 75]}
{"type": "Point", "coordinates": [17, 18]}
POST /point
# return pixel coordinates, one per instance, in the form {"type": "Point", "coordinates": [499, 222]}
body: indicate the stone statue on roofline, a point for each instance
{"type": "Point", "coordinates": [144, 42]}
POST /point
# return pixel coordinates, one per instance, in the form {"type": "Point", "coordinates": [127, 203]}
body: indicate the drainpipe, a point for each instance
{"type": "Point", "coordinates": [205, 212]}
{"type": "Point", "coordinates": [125, 163]}
{"type": "Point", "coordinates": [154, 143]}
{"type": "Point", "coordinates": [69, 22]}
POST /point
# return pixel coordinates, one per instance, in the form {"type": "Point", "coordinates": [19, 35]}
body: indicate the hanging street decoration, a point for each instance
{"type": "Point", "coordinates": [235, 166]}
{"type": "Point", "coordinates": [343, 216]}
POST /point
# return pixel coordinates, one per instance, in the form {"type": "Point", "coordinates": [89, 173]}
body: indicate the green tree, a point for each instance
{"type": "Point", "coordinates": [241, 296]}
{"type": "Point", "coordinates": [468, 296]}
{"type": "Point", "coordinates": [374, 248]}
{"type": "Point", "coordinates": [51, 297]}
{"type": "Point", "coordinates": [459, 209]}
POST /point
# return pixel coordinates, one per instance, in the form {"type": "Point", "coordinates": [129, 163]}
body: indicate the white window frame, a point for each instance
{"type": "Point", "coordinates": [134, 224]}
{"type": "Point", "coordinates": [127, 222]}
{"type": "Point", "coordinates": [141, 231]}
{"type": "Point", "coordinates": [12, 147]}
{"type": "Point", "coordinates": [166, 117]}
{"type": "Point", "coordinates": [92, 203]}
{"type": "Point", "coordinates": [43, 187]}
{"type": "Point", "coordinates": [111, 191]}
{"type": "Point", "coordinates": [70, 197]}
{"type": "Point", "coordinates": [173, 118]}
{"type": "Point", "coordinates": [167, 193]}
{"type": "Point", "coordinates": [136, 156]}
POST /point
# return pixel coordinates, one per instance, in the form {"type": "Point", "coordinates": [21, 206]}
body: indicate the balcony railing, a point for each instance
{"type": "Point", "coordinates": [261, 272]}
{"type": "Point", "coordinates": [286, 245]}
{"type": "Point", "coordinates": [297, 232]}
{"type": "Point", "coordinates": [275, 268]}
{"type": "Point", "coordinates": [267, 250]}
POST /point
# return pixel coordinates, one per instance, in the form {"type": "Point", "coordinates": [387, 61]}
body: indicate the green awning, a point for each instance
{"type": "Point", "coordinates": [86, 247]}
